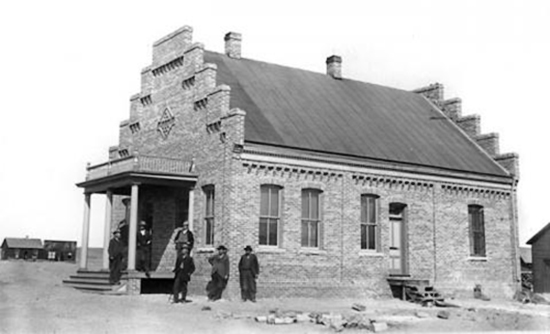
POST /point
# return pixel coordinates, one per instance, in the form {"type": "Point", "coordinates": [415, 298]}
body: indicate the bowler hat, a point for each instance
{"type": "Point", "coordinates": [248, 248]}
{"type": "Point", "coordinates": [221, 247]}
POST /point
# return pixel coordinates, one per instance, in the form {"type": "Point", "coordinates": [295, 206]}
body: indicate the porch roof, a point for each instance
{"type": "Point", "coordinates": [118, 175]}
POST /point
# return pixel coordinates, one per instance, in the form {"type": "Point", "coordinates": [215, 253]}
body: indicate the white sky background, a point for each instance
{"type": "Point", "coordinates": [70, 67]}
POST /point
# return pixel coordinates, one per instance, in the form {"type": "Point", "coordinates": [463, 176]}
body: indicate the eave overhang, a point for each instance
{"type": "Point", "coordinates": [120, 183]}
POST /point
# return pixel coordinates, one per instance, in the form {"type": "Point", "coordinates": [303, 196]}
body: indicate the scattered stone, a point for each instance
{"type": "Point", "coordinates": [261, 318]}
{"type": "Point", "coordinates": [443, 314]}
{"type": "Point", "coordinates": [420, 314]}
{"type": "Point", "coordinates": [478, 294]}
{"type": "Point", "coordinates": [283, 321]}
{"type": "Point", "coordinates": [442, 303]}
{"type": "Point", "coordinates": [358, 321]}
{"type": "Point", "coordinates": [206, 308]}
{"type": "Point", "coordinates": [358, 307]}
{"type": "Point", "coordinates": [302, 317]}
{"type": "Point", "coordinates": [471, 309]}
{"type": "Point", "coordinates": [328, 319]}
{"type": "Point", "coordinates": [379, 326]}
{"type": "Point", "coordinates": [337, 325]}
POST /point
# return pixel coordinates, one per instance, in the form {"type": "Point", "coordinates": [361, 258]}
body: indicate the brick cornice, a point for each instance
{"type": "Point", "coordinates": [360, 165]}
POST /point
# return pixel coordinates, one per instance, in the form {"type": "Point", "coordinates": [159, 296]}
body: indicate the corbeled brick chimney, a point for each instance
{"type": "Point", "coordinates": [334, 66]}
{"type": "Point", "coordinates": [233, 44]}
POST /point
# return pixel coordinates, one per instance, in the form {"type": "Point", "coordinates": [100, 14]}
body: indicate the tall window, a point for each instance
{"type": "Point", "coordinates": [209, 215]}
{"type": "Point", "coordinates": [369, 221]}
{"type": "Point", "coordinates": [269, 214]}
{"type": "Point", "coordinates": [477, 230]}
{"type": "Point", "coordinates": [311, 217]}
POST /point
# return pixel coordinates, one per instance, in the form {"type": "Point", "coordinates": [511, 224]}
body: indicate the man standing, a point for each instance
{"type": "Point", "coordinates": [185, 266]}
{"type": "Point", "coordinates": [220, 274]}
{"type": "Point", "coordinates": [248, 272]}
{"type": "Point", "coordinates": [144, 242]}
{"type": "Point", "coordinates": [184, 237]}
{"type": "Point", "coordinates": [116, 254]}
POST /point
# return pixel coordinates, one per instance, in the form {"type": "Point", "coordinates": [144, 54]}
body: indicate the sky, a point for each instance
{"type": "Point", "coordinates": [70, 67]}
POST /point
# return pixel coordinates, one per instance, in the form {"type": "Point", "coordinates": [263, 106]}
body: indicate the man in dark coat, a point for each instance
{"type": "Point", "coordinates": [185, 266]}
{"type": "Point", "coordinates": [248, 272]}
{"type": "Point", "coordinates": [144, 242]}
{"type": "Point", "coordinates": [184, 237]}
{"type": "Point", "coordinates": [116, 255]}
{"type": "Point", "coordinates": [220, 274]}
{"type": "Point", "coordinates": [124, 229]}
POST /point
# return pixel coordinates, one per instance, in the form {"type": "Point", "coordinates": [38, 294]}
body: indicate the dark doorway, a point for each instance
{"type": "Point", "coordinates": [157, 286]}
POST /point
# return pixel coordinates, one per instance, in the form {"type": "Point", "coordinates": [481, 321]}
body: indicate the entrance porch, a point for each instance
{"type": "Point", "coordinates": [155, 190]}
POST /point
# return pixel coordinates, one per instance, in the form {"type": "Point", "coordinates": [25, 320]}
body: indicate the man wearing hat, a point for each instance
{"type": "Point", "coordinates": [144, 243]}
{"type": "Point", "coordinates": [248, 272]}
{"type": "Point", "coordinates": [116, 255]}
{"type": "Point", "coordinates": [220, 274]}
{"type": "Point", "coordinates": [184, 237]}
{"type": "Point", "coordinates": [185, 266]}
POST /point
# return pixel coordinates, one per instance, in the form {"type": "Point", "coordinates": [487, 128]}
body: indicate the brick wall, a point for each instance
{"type": "Point", "coordinates": [437, 219]}
{"type": "Point", "coordinates": [457, 271]}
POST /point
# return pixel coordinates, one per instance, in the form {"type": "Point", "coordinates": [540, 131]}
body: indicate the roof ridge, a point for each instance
{"type": "Point", "coordinates": [321, 74]}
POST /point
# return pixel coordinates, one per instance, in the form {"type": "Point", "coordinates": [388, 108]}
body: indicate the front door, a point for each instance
{"type": "Point", "coordinates": [397, 239]}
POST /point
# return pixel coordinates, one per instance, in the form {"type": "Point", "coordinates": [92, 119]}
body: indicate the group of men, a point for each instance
{"type": "Point", "coordinates": [249, 268]}
{"type": "Point", "coordinates": [118, 248]}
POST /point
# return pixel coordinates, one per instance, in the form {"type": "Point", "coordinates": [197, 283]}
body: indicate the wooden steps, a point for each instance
{"type": "Point", "coordinates": [97, 281]}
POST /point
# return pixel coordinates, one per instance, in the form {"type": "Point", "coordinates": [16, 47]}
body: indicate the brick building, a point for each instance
{"type": "Point", "coordinates": [338, 185]}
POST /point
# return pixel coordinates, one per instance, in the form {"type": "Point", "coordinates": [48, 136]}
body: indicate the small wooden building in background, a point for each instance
{"type": "Point", "coordinates": [21, 248]}
{"type": "Point", "coordinates": [59, 250]}
{"type": "Point", "coordinates": [540, 252]}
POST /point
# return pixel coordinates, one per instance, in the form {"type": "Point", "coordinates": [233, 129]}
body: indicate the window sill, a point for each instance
{"type": "Point", "coordinates": [267, 249]}
{"type": "Point", "coordinates": [312, 251]}
{"type": "Point", "coordinates": [477, 258]}
{"type": "Point", "coordinates": [370, 253]}
{"type": "Point", "coordinates": [206, 250]}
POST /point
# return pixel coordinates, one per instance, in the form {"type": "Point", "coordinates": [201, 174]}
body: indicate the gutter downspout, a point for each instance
{"type": "Point", "coordinates": [516, 280]}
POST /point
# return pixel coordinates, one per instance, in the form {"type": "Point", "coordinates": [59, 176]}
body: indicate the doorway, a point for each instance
{"type": "Point", "coordinates": [398, 239]}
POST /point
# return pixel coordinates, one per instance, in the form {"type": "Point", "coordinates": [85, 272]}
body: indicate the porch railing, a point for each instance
{"type": "Point", "coordinates": [139, 163]}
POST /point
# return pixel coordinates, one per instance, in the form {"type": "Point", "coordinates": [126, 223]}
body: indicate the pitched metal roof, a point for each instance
{"type": "Point", "coordinates": [23, 243]}
{"type": "Point", "coordinates": [295, 108]}
{"type": "Point", "coordinates": [539, 234]}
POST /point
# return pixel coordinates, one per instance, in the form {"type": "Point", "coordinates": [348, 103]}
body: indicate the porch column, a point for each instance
{"type": "Point", "coordinates": [107, 232]}
{"type": "Point", "coordinates": [190, 209]}
{"type": "Point", "coordinates": [133, 228]}
{"type": "Point", "coordinates": [85, 232]}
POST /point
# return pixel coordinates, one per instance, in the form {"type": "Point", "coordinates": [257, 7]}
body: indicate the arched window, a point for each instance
{"type": "Point", "coordinates": [477, 230]}
{"type": "Point", "coordinates": [270, 214]}
{"type": "Point", "coordinates": [311, 217]}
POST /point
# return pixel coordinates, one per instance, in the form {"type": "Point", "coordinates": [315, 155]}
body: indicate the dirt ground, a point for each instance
{"type": "Point", "coordinates": [34, 300]}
